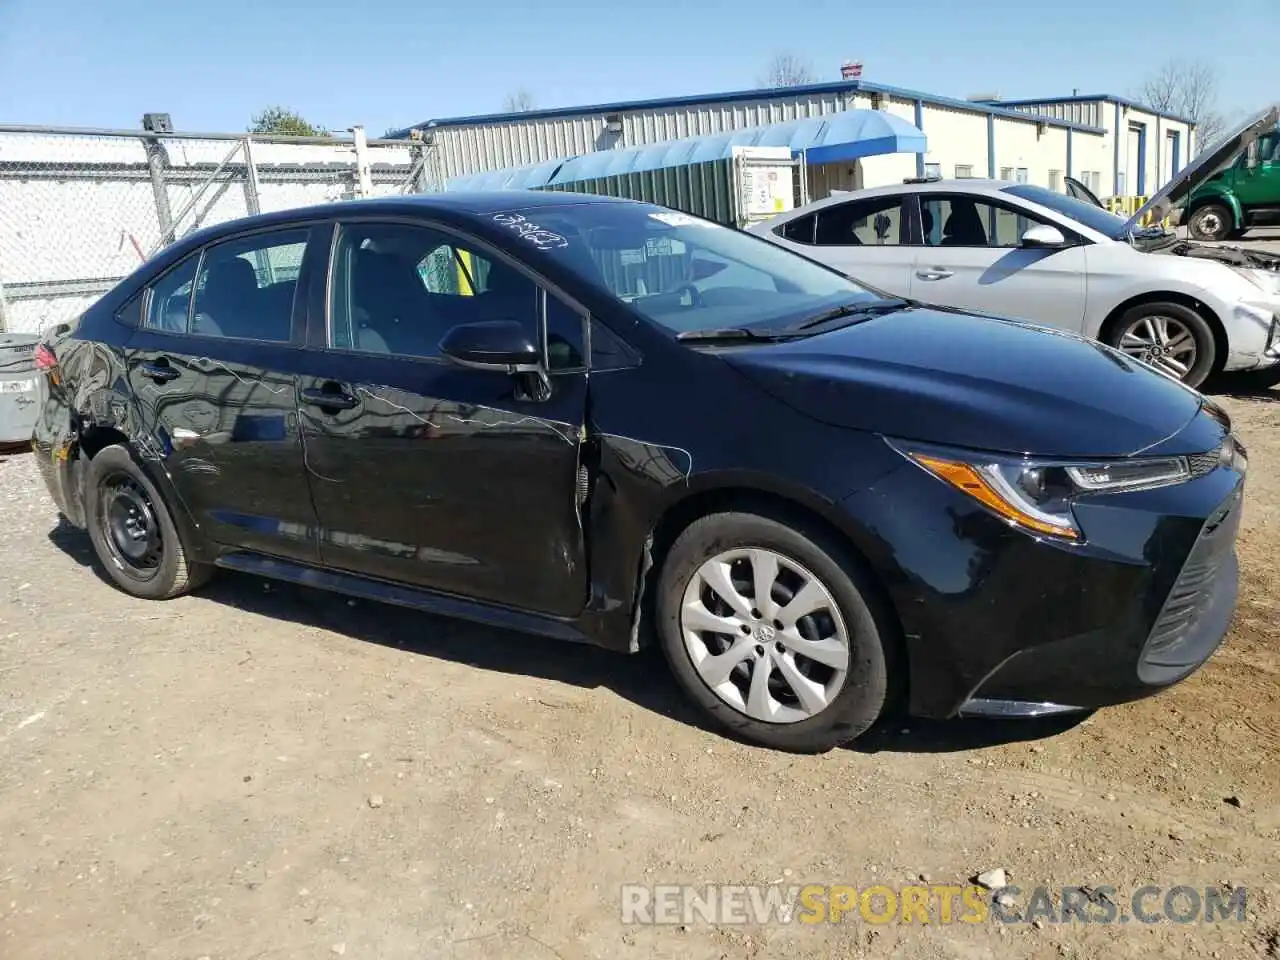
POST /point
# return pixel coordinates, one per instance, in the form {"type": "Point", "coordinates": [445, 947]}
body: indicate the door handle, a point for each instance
{"type": "Point", "coordinates": [329, 397]}
{"type": "Point", "coordinates": [937, 273]}
{"type": "Point", "coordinates": [160, 371]}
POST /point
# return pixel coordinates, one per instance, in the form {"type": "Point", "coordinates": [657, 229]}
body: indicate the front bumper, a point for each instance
{"type": "Point", "coordinates": [1272, 351]}
{"type": "Point", "coordinates": [1253, 334]}
{"type": "Point", "coordinates": [1091, 670]}
{"type": "Point", "coordinates": [998, 622]}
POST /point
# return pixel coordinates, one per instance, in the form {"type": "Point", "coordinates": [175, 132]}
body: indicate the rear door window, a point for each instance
{"type": "Point", "coordinates": [799, 230]}
{"type": "Point", "coordinates": [873, 222]}
{"type": "Point", "coordinates": [245, 287]}
{"type": "Point", "coordinates": [241, 289]}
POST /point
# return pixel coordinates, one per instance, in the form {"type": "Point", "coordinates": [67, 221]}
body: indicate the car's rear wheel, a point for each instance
{"type": "Point", "coordinates": [133, 532]}
{"type": "Point", "coordinates": [770, 632]}
{"type": "Point", "coordinates": [1211, 222]}
{"type": "Point", "coordinates": [1168, 336]}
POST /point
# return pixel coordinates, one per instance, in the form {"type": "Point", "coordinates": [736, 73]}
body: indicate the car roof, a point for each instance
{"type": "Point", "coordinates": [460, 205]}
{"type": "Point", "coordinates": [967, 184]}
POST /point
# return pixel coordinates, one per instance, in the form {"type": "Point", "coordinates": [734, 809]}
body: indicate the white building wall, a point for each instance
{"type": "Point", "coordinates": [1028, 151]}
{"type": "Point", "coordinates": [956, 138]}
{"type": "Point", "coordinates": [1051, 149]}
{"type": "Point", "coordinates": [1091, 161]}
{"type": "Point", "coordinates": [1157, 165]}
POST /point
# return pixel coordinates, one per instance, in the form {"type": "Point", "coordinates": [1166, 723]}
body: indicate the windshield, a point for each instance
{"type": "Point", "coordinates": [1095, 218]}
{"type": "Point", "coordinates": [680, 271]}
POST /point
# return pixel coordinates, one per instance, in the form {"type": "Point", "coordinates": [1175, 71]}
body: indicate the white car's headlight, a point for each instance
{"type": "Point", "coordinates": [1264, 280]}
{"type": "Point", "coordinates": [1037, 495]}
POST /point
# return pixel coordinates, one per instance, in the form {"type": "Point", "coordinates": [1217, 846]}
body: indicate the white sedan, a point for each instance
{"type": "Point", "coordinates": [1018, 250]}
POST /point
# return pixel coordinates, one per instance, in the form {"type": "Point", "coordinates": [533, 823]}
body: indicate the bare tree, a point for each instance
{"type": "Point", "coordinates": [521, 101]}
{"type": "Point", "coordinates": [1188, 89]}
{"type": "Point", "coordinates": [787, 70]}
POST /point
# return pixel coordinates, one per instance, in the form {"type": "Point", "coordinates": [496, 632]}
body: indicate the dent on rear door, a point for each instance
{"type": "Point", "coordinates": [868, 239]}
{"type": "Point", "coordinates": [227, 430]}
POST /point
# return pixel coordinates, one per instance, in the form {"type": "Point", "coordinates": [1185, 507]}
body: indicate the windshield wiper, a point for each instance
{"type": "Point", "coordinates": [726, 333]}
{"type": "Point", "coordinates": [863, 310]}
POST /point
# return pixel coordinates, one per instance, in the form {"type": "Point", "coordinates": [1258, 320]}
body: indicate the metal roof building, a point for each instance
{"type": "Point", "coordinates": [964, 137]}
{"type": "Point", "coordinates": [835, 138]}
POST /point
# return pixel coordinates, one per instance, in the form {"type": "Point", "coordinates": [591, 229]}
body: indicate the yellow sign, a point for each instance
{"type": "Point", "coordinates": [880, 904]}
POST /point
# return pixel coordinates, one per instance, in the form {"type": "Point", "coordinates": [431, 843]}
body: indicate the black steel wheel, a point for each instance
{"type": "Point", "coordinates": [133, 532]}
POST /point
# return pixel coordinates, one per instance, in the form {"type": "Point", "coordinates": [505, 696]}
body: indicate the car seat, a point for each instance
{"type": "Point", "coordinates": [227, 305]}
{"type": "Point", "coordinates": [964, 226]}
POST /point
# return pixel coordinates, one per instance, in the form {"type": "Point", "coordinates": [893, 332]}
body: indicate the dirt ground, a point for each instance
{"type": "Point", "coordinates": [262, 771]}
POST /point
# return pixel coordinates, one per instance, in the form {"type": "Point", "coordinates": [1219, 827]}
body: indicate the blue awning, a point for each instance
{"type": "Point", "coordinates": [532, 177]}
{"type": "Point", "coordinates": [831, 138]}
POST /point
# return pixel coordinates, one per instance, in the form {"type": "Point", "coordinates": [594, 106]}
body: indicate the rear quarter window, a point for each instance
{"type": "Point", "coordinates": [799, 230]}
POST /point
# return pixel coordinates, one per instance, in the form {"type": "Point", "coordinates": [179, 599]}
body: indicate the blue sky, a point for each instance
{"type": "Point", "coordinates": [390, 64]}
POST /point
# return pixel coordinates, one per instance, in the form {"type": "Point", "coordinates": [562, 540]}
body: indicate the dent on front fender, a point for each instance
{"type": "Point", "coordinates": [635, 487]}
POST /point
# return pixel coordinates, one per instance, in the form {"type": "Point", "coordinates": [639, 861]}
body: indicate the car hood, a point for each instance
{"type": "Point", "coordinates": [1209, 162]}
{"type": "Point", "coordinates": [947, 377]}
{"type": "Point", "coordinates": [1261, 267]}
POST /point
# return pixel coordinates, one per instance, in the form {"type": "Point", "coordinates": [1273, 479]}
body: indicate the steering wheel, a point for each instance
{"type": "Point", "coordinates": [695, 295]}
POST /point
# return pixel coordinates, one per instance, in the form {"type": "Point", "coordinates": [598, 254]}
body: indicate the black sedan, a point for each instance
{"type": "Point", "coordinates": [607, 421]}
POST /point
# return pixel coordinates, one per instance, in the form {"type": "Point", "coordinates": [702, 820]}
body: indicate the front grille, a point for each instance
{"type": "Point", "coordinates": [1205, 463]}
{"type": "Point", "coordinates": [1194, 589]}
{"type": "Point", "coordinates": [1186, 602]}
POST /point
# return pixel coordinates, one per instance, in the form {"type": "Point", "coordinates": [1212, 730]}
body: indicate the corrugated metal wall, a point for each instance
{"type": "Point", "coordinates": [703, 189]}
{"type": "Point", "coordinates": [475, 148]}
{"type": "Point", "coordinates": [1087, 112]}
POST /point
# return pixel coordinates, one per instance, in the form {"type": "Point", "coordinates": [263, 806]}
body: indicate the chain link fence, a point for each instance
{"type": "Point", "coordinates": [82, 209]}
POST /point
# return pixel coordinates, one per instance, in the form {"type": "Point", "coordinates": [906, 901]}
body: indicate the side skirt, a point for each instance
{"type": "Point", "coordinates": [367, 588]}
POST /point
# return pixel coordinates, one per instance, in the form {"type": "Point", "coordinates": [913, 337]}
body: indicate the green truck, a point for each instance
{"type": "Point", "coordinates": [1238, 197]}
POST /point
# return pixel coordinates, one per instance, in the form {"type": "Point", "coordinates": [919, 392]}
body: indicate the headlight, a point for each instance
{"type": "Point", "coordinates": [1249, 274]}
{"type": "Point", "coordinates": [1037, 495]}
{"type": "Point", "coordinates": [1266, 280]}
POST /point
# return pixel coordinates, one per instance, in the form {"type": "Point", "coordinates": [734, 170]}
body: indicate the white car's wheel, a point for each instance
{"type": "Point", "coordinates": [1168, 336]}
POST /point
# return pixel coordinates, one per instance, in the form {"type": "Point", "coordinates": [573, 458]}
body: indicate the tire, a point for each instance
{"type": "Point", "coordinates": [855, 697]}
{"type": "Point", "coordinates": [1213, 221]}
{"type": "Point", "coordinates": [1146, 321]}
{"type": "Point", "coordinates": [133, 532]}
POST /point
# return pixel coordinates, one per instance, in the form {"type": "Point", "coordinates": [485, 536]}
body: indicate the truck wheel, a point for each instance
{"type": "Point", "coordinates": [1211, 222]}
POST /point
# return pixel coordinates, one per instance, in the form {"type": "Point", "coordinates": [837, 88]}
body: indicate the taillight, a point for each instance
{"type": "Point", "coordinates": [47, 361]}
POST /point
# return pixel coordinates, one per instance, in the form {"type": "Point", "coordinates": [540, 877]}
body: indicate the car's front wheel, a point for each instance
{"type": "Point", "coordinates": [771, 632]}
{"type": "Point", "coordinates": [1211, 222]}
{"type": "Point", "coordinates": [1168, 336]}
{"type": "Point", "coordinates": [132, 531]}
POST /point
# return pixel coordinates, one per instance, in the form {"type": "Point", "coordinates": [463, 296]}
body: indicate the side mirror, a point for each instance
{"type": "Point", "coordinates": [492, 345]}
{"type": "Point", "coordinates": [1043, 237]}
